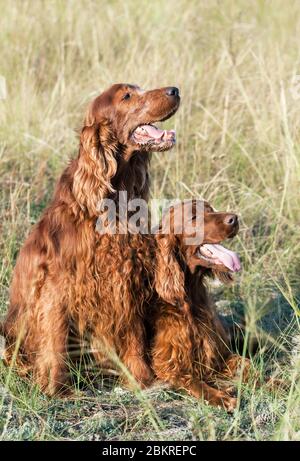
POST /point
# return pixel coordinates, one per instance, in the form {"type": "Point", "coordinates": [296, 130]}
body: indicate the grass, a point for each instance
{"type": "Point", "coordinates": [236, 64]}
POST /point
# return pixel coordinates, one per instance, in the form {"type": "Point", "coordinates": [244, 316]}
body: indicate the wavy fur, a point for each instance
{"type": "Point", "coordinates": [65, 273]}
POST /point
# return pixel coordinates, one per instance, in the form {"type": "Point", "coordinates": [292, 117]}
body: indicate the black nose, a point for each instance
{"type": "Point", "coordinates": [231, 220]}
{"type": "Point", "coordinates": [172, 91]}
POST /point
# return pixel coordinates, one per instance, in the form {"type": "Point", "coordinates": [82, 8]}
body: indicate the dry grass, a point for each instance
{"type": "Point", "coordinates": [238, 146]}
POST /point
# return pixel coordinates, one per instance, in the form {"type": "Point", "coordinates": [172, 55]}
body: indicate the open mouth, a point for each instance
{"type": "Point", "coordinates": [216, 255]}
{"type": "Point", "coordinates": [150, 134]}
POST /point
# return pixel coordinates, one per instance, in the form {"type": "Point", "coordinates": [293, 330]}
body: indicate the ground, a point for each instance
{"type": "Point", "coordinates": [237, 66]}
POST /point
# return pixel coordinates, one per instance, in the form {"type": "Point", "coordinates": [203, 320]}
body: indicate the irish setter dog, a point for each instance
{"type": "Point", "coordinates": [61, 271]}
{"type": "Point", "coordinates": [189, 345]}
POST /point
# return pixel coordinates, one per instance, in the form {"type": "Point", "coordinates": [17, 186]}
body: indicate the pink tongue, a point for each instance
{"type": "Point", "coordinates": [227, 257]}
{"type": "Point", "coordinates": [154, 132]}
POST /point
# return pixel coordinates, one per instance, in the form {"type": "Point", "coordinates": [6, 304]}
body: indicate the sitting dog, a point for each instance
{"type": "Point", "coordinates": [189, 346]}
{"type": "Point", "coordinates": [57, 278]}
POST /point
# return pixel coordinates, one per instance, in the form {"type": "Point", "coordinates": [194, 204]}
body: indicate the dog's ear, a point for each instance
{"type": "Point", "coordinates": [97, 165]}
{"type": "Point", "coordinates": [169, 277]}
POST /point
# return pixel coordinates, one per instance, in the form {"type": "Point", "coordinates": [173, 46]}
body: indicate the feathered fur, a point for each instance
{"type": "Point", "coordinates": [65, 271]}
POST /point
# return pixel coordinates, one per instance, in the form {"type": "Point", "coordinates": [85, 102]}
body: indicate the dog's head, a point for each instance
{"type": "Point", "coordinates": [118, 124]}
{"type": "Point", "coordinates": [189, 241]}
{"type": "Point", "coordinates": [132, 113]}
{"type": "Point", "coordinates": [204, 229]}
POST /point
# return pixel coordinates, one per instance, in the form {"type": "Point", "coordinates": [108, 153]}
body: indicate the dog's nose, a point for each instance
{"type": "Point", "coordinates": [172, 91]}
{"type": "Point", "coordinates": [231, 220]}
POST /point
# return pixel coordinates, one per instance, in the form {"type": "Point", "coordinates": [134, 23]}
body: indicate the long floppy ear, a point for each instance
{"type": "Point", "coordinates": [97, 165]}
{"type": "Point", "coordinates": [169, 277]}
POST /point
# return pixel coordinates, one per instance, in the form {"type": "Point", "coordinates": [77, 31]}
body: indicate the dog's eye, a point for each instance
{"type": "Point", "coordinates": [127, 96]}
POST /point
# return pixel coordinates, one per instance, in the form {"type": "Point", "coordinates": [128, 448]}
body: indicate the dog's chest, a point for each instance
{"type": "Point", "coordinates": [126, 259]}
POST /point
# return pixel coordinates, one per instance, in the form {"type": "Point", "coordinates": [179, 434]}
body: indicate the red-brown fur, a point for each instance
{"type": "Point", "coordinates": [147, 303]}
{"type": "Point", "coordinates": [61, 271]}
{"type": "Point", "coordinates": [189, 347]}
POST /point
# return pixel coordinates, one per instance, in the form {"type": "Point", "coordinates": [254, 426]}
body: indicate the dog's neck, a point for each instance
{"type": "Point", "coordinates": [133, 174]}
{"type": "Point", "coordinates": [195, 287]}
